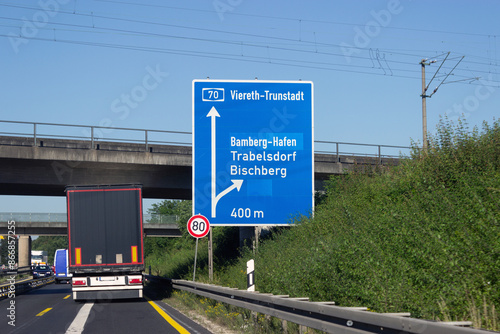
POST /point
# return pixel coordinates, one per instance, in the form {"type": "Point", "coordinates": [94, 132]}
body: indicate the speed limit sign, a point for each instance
{"type": "Point", "coordinates": [198, 226]}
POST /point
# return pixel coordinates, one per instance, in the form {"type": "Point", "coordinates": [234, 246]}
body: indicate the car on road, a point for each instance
{"type": "Point", "coordinates": [42, 271]}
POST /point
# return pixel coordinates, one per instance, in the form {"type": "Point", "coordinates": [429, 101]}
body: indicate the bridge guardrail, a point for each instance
{"type": "Point", "coordinates": [324, 316]}
{"type": "Point", "coordinates": [146, 138]}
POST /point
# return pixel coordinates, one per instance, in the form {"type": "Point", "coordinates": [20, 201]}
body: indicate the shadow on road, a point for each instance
{"type": "Point", "coordinates": [157, 288]}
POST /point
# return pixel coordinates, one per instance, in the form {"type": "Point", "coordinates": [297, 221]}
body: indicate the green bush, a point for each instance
{"type": "Point", "coordinates": [423, 237]}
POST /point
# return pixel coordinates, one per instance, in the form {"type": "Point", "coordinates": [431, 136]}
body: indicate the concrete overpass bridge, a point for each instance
{"type": "Point", "coordinates": [28, 224]}
{"type": "Point", "coordinates": [42, 158]}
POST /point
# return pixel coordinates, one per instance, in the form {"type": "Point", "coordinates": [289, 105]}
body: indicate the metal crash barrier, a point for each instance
{"type": "Point", "coordinates": [18, 287]}
{"type": "Point", "coordinates": [324, 316]}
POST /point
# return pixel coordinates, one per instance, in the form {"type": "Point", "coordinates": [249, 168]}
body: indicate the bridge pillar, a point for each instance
{"type": "Point", "coordinates": [24, 247]}
{"type": "Point", "coordinates": [247, 234]}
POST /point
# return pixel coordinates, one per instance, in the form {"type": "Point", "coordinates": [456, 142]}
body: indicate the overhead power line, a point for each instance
{"type": "Point", "coordinates": [290, 19]}
{"type": "Point", "coordinates": [263, 60]}
{"type": "Point", "coordinates": [204, 29]}
{"type": "Point", "coordinates": [234, 43]}
{"type": "Point", "coordinates": [378, 64]}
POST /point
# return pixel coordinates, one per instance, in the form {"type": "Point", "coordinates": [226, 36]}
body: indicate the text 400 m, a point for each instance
{"type": "Point", "coordinates": [246, 213]}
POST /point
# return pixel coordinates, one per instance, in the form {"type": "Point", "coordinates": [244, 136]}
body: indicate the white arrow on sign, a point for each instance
{"type": "Point", "coordinates": [236, 183]}
{"type": "Point", "coordinates": [213, 114]}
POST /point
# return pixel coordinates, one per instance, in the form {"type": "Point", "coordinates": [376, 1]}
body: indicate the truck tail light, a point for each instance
{"type": "Point", "coordinates": [135, 281]}
{"type": "Point", "coordinates": [79, 281]}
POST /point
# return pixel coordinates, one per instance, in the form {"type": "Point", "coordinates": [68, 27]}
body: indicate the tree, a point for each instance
{"type": "Point", "coordinates": [181, 209]}
{"type": "Point", "coordinates": [167, 207]}
{"type": "Point", "coordinates": [4, 250]}
{"type": "Point", "coordinates": [50, 244]}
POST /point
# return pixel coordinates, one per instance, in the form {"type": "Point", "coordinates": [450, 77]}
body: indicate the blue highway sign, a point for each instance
{"type": "Point", "coordinates": [253, 154]}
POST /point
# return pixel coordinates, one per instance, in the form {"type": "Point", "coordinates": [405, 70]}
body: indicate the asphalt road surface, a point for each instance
{"type": "Point", "coordinates": [51, 309]}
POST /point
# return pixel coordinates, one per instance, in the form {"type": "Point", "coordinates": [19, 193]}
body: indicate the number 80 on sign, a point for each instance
{"type": "Point", "coordinates": [198, 226]}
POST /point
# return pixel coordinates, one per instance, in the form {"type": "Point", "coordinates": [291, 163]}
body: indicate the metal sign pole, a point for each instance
{"type": "Point", "coordinates": [198, 226]}
{"type": "Point", "coordinates": [195, 254]}
{"type": "Point", "coordinates": [210, 258]}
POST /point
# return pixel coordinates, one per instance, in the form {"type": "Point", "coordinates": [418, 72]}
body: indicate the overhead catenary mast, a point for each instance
{"type": "Point", "coordinates": [425, 87]}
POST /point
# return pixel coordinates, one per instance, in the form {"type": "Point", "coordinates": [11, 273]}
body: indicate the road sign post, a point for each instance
{"type": "Point", "coordinates": [253, 154]}
{"type": "Point", "coordinates": [198, 226]}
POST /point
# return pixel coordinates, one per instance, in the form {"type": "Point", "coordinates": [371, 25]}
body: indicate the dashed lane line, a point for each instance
{"type": "Point", "coordinates": [44, 311]}
{"type": "Point", "coordinates": [78, 323]}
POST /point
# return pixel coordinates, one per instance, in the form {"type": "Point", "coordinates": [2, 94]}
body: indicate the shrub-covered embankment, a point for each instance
{"type": "Point", "coordinates": [422, 238]}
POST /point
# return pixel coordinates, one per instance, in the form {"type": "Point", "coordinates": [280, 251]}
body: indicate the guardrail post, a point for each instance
{"type": "Point", "coordinates": [284, 326]}
{"type": "Point", "coordinates": [91, 137]}
{"type": "Point", "coordinates": [338, 158]}
{"type": "Point", "coordinates": [379, 156]}
{"type": "Point", "coordinates": [146, 139]}
{"type": "Point", "coordinates": [34, 134]}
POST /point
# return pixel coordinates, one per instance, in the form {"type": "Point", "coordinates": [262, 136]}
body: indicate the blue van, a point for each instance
{"type": "Point", "coordinates": [61, 266]}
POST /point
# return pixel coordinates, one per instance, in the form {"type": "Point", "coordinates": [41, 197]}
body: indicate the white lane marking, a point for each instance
{"type": "Point", "coordinates": [78, 323]}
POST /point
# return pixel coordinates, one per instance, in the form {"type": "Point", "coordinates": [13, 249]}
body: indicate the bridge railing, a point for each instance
{"type": "Point", "coordinates": [160, 219]}
{"type": "Point", "coordinates": [29, 217]}
{"type": "Point", "coordinates": [93, 134]}
{"type": "Point", "coordinates": [356, 149]}
{"type": "Point", "coordinates": [35, 217]}
{"type": "Point", "coordinates": [145, 138]}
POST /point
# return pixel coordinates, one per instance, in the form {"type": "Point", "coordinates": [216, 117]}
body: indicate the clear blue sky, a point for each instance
{"type": "Point", "coordinates": [131, 63]}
